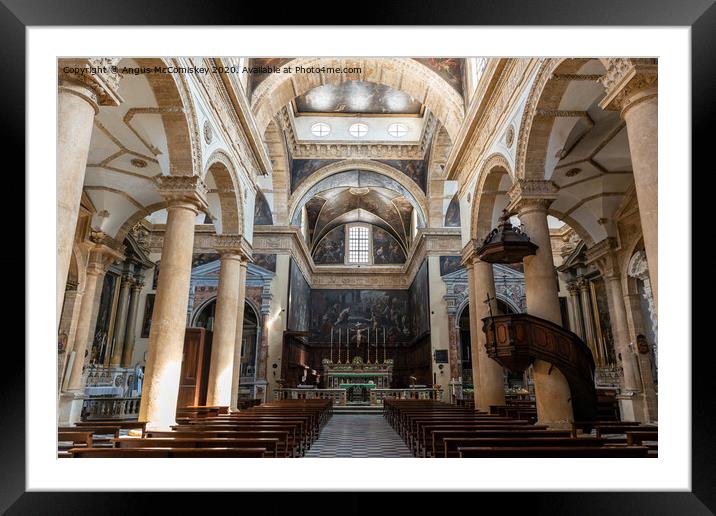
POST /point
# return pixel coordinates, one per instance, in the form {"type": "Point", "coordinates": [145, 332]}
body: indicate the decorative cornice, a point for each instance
{"type": "Point", "coordinates": [603, 255]}
{"type": "Point", "coordinates": [99, 76]}
{"type": "Point", "coordinates": [501, 85]}
{"type": "Point", "coordinates": [232, 245]}
{"type": "Point", "coordinates": [629, 81]}
{"type": "Point", "coordinates": [360, 150]}
{"type": "Point", "coordinates": [188, 189]}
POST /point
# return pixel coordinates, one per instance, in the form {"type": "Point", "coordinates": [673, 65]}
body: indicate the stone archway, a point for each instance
{"type": "Point", "coordinates": [228, 188]}
{"type": "Point", "coordinates": [415, 194]}
{"type": "Point", "coordinates": [403, 74]}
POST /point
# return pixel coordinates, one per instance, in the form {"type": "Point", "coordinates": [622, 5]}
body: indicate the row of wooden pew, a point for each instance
{"type": "Point", "coordinates": [436, 429]}
{"type": "Point", "coordinates": [279, 429]}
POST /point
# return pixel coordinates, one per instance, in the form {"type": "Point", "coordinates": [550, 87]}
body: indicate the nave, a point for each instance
{"type": "Point", "coordinates": [252, 251]}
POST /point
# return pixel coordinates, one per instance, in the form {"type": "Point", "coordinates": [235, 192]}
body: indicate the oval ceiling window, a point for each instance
{"type": "Point", "coordinates": [358, 130]}
{"type": "Point", "coordinates": [397, 130]}
{"type": "Point", "coordinates": [321, 129]}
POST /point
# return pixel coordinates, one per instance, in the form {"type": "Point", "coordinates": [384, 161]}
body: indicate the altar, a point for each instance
{"type": "Point", "coordinates": [357, 372]}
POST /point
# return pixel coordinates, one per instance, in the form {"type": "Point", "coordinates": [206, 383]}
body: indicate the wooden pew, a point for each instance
{"type": "Point", "coordinates": [270, 444]}
{"type": "Point", "coordinates": [554, 451]}
{"type": "Point", "coordinates": [434, 443]}
{"type": "Point", "coordinates": [75, 440]}
{"type": "Point", "coordinates": [451, 445]}
{"type": "Point", "coordinates": [287, 447]}
{"type": "Point", "coordinates": [168, 452]}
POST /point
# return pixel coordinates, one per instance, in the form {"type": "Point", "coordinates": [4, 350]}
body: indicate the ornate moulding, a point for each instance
{"type": "Point", "coordinates": [234, 125]}
{"type": "Point", "coordinates": [489, 117]}
{"type": "Point", "coordinates": [405, 74]}
{"type": "Point", "coordinates": [629, 81]}
{"type": "Point", "coordinates": [287, 240]}
{"type": "Point", "coordinates": [98, 75]}
{"type": "Point", "coordinates": [335, 150]}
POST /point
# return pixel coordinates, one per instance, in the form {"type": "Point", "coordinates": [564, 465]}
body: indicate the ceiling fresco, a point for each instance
{"type": "Point", "coordinates": [449, 68]}
{"type": "Point", "coordinates": [356, 98]}
{"type": "Point", "coordinates": [377, 206]}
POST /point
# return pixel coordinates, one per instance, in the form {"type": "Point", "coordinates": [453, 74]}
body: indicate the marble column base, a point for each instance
{"type": "Point", "coordinates": [70, 408]}
{"type": "Point", "coordinates": [632, 407]}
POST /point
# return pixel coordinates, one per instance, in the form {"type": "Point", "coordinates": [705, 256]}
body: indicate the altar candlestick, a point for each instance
{"type": "Point", "coordinates": [339, 346]}
{"type": "Point", "coordinates": [331, 344]}
{"type": "Point", "coordinates": [348, 345]}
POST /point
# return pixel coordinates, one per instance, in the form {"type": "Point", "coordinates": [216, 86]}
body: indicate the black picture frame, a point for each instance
{"type": "Point", "coordinates": [699, 15]}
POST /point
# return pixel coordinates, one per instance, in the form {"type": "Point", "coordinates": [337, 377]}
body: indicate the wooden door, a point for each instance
{"type": "Point", "coordinates": [193, 380]}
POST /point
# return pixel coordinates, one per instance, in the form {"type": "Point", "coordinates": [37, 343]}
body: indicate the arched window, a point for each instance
{"type": "Point", "coordinates": [359, 246]}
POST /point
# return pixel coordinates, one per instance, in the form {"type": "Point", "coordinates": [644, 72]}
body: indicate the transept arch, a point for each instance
{"type": "Point", "coordinates": [403, 74]}
{"type": "Point", "coordinates": [413, 192]}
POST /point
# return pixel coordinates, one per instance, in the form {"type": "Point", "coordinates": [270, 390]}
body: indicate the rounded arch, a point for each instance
{"type": "Point", "coordinates": [136, 217]}
{"type": "Point", "coordinates": [256, 310]}
{"type": "Point", "coordinates": [178, 117]}
{"type": "Point", "coordinates": [485, 194]}
{"type": "Point", "coordinates": [546, 95]}
{"type": "Point", "coordinates": [507, 301]}
{"type": "Point", "coordinates": [228, 187]}
{"type": "Point", "coordinates": [404, 74]}
{"type": "Point", "coordinates": [200, 309]}
{"type": "Point", "coordinates": [414, 194]}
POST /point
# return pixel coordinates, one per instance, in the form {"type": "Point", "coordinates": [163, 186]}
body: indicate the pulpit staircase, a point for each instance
{"type": "Point", "coordinates": [515, 341]}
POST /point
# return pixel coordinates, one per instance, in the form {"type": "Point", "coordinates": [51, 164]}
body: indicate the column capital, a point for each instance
{"type": "Point", "coordinates": [629, 81]}
{"type": "Point", "coordinates": [137, 285]}
{"type": "Point", "coordinates": [531, 195]}
{"type": "Point", "coordinates": [95, 79]}
{"type": "Point", "coordinates": [177, 190]}
{"type": "Point", "coordinates": [232, 245]}
{"type": "Point", "coordinates": [573, 287]}
{"type": "Point", "coordinates": [582, 283]}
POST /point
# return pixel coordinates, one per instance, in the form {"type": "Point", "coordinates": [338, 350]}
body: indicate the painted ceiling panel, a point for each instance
{"type": "Point", "coordinates": [357, 97]}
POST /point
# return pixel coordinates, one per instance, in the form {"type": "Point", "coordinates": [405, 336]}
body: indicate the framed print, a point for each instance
{"type": "Point", "coordinates": [442, 241]}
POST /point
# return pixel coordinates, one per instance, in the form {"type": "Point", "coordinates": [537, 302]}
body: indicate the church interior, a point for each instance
{"type": "Point", "coordinates": [357, 257]}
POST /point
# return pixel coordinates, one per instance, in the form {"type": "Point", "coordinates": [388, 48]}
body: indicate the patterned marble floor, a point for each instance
{"type": "Point", "coordinates": [358, 435]}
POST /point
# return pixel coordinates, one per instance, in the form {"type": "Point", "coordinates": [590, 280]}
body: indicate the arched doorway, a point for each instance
{"type": "Point", "coordinates": [204, 318]}
{"type": "Point", "coordinates": [514, 380]}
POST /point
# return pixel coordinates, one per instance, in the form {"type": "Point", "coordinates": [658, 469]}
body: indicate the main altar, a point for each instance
{"type": "Point", "coordinates": [358, 378]}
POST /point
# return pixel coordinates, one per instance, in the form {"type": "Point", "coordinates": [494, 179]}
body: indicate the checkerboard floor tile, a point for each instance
{"type": "Point", "coordinates": [360, 436]}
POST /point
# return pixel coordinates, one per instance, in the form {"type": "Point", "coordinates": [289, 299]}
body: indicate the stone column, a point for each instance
{"type": "Point", "coordinates": [227, 306]}
{"type": "Point", "coordinates": [120, 325]}
{"type": "Point", "coordinates": [600, 356]}
{"type": "Point", "coordinates": [631, 398]}
{"type": "Point", "coordinates": [131, 333]}
{"type": "Point", "coordinates": [475, 329]}
{"type": "Point", "coordinates": [491, 374]}
{"type": "Point", "coordinates": [575, 310]}
{"type": "Point", "coordinates": [186, 198]}
{"type": "Point", "coordinates": [531, 200]}
{"type": "Point", "coordinates": [632, 86]}
{"type": "Point", "coordinates": [68, 326]}
{"type": "Point", "coordinates": [84, 85]}
{"type": "Point", "coordinates": [101, 257]}
{"type": "Point", "coordinates": [236, 374]}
